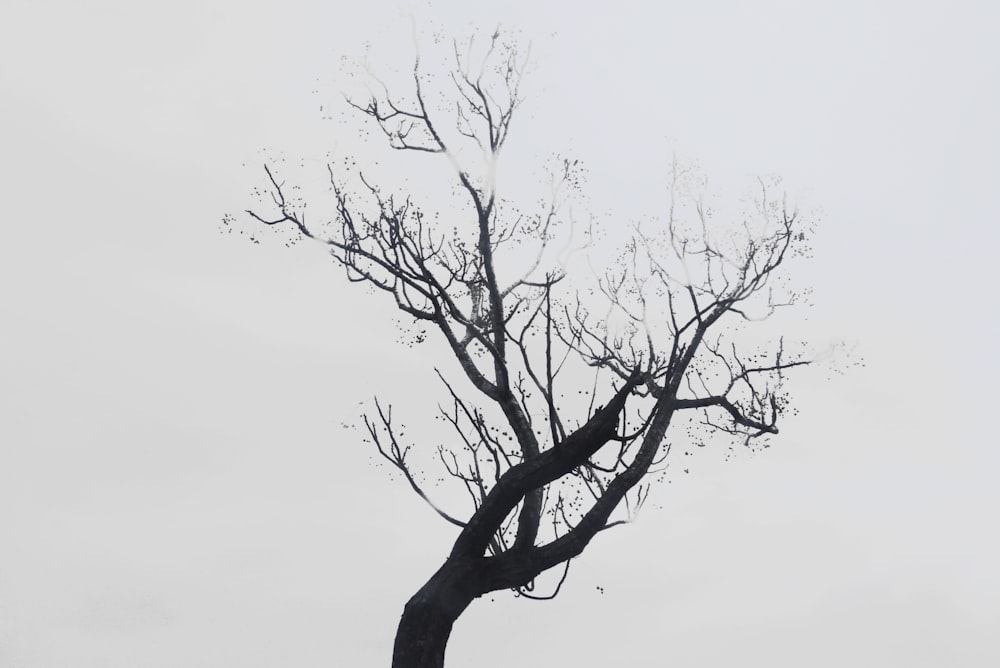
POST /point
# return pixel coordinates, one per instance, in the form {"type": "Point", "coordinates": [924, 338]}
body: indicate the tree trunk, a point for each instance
{"type": "Point", "coordinates": [428, 617]}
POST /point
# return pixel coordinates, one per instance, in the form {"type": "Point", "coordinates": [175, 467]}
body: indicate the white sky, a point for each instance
{"type": "Point", "coordinates": [175, 485]}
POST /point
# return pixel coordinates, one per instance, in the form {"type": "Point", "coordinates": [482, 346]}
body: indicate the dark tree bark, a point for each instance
{"type": "Point", "coordinates": [428, 616]}
{"type": "Point", "coordinates": [545, 473]}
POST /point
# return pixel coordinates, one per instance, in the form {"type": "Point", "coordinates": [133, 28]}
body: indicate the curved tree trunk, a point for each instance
{"type": "Point", "coordinates": [429, 615]}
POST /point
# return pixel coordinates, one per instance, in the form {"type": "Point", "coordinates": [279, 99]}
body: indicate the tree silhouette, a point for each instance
{"type": "Point", "coordinates": [560, 424]}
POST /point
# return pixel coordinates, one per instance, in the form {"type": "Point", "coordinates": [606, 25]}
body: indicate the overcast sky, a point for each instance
{"type": "Point", "coordinates": [176, 486]}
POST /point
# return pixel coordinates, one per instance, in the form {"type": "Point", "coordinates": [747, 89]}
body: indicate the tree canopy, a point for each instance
{"type": "Point", "coordinates": [565, 402]}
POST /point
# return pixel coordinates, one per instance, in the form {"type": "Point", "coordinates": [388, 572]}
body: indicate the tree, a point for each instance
{"type": "Point", "coordinates": [546, 470]}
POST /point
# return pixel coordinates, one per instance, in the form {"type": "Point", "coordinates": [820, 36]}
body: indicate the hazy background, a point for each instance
{"type": "Point", "coordinates": [176, 488]}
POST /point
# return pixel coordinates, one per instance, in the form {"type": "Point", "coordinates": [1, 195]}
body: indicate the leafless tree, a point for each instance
{"type": "Point", "coordinates": [561, 421]}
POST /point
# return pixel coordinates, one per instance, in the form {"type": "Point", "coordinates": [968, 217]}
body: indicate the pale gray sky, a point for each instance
{"type": "Point", "coordinates": [175, 485]}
